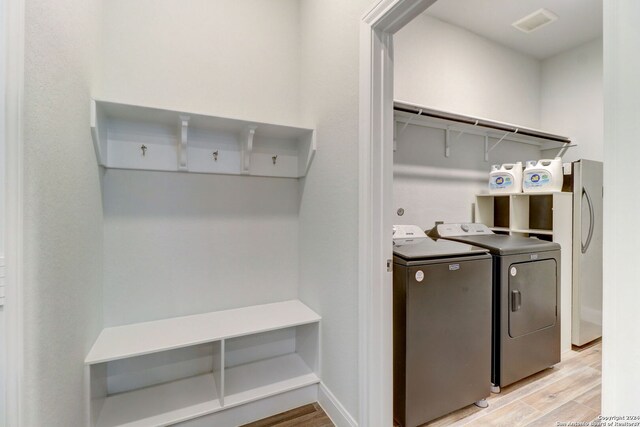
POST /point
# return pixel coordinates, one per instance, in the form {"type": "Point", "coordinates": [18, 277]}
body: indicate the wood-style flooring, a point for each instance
{"type": "Point", "coordinates": [570, 391]}
{"type": "Point", "coordinates": [310, 415]}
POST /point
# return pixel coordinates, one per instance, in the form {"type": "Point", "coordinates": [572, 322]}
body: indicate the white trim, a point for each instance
{"type": "Point", "coordinates": [2, 288]}
{"type": "Point", "coordinates": [14, 115]}
{"type": "Point", "coordinates": [375, 201]}
{"type": "Point", "coordinates": [334, 409]}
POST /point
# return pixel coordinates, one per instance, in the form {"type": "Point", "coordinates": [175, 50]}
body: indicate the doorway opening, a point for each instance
{"type": "Point", "coordinates": [455, 65]}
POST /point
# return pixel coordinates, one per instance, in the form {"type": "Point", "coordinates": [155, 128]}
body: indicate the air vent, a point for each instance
{"type": "Point", "coordinates": [535, 21]}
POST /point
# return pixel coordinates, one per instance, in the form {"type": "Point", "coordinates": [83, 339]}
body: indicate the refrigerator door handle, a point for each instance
{"type": "Point", "coordinates": [592, 221]}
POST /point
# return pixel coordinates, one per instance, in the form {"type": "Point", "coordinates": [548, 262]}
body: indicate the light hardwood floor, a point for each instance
{"type": "Point", "coordinates": [308, 416]}
{"type": "Point", "coordinates": [570, 391]}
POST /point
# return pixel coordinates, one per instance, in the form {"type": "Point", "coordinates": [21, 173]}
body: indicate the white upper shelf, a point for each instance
{"type": "Point", "coordinates": [136, 137]}
{"type": "Point", "coordinates": [121, 342]}
{"type": "Point", "coordinates": [408, 113]}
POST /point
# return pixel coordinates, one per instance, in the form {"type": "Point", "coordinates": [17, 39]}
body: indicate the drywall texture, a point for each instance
{"type": "Point", "coordinates": [431, 187]}
{"type": "Point", "coordinates": [571, 101]}
{"type": "Point", "coordinates": [329, 206]}
{"type": "Point", "coordinates": [224, 57]}
{"type": "Point", "coordinates": [62, 282]}
{"type": "Point", "coordinates": [446, 67]}
{"type": "Point", "coordinates": [621, 345]}
{"type": "Point", "coordinates": [178, 244]}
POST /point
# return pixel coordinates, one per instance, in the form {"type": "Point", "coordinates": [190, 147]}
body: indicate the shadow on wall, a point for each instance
{"type": "Point", "coordinates": [424, 147]}
{"type": "Point", "coordinates": [136, 194]}
{"type": "Point", "coordinates": [430, 187]}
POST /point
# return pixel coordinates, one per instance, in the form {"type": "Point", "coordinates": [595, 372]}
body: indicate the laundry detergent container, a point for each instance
{"type": "Point", "coordinates": [543, 176]}
{"type": "Point", "coordinates": [506, 178]}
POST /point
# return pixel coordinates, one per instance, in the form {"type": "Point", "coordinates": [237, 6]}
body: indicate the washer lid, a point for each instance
{"type": "Point", "coordinates": [500, 244]}
{"type": "Point", "coordinates": [426, 248]}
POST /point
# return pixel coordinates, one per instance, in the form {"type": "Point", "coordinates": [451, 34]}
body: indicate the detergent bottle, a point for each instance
{"type": "Point", "coordinates": [543, 176]}
{"type": "Point", "coordinates": [506, 178]}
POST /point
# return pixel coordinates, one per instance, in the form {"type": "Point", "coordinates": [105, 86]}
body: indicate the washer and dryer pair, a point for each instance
{"type": "Point", "coordinates": [473, 311]}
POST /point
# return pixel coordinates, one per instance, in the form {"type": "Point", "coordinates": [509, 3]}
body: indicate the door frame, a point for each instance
{"type": "Point", "coordinates": [375, 253]}
{"type": "Point", "coordinates": [14, 15]}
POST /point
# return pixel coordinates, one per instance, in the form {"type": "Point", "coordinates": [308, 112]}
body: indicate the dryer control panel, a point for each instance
{"type": "Point", "coordinates": [463, 229]}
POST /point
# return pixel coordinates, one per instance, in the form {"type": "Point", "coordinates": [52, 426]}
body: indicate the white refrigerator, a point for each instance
{"type": "Point", "coordinates": [587, 252]}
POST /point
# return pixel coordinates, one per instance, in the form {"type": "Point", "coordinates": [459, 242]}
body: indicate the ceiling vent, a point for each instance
{"type": "Point", "coordinates": [535, 21]}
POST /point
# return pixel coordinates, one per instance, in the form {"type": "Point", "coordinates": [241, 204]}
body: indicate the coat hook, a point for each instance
{"type": "Point", "coordinates": [215, 156]}
{"type": "Point", "coordinates": [144, 149]}
{"type": "Point", "coordinates": [274, 158]}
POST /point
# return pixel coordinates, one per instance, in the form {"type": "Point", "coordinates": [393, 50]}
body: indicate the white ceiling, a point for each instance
{"type": "Point", "coordinates": [578, 21]}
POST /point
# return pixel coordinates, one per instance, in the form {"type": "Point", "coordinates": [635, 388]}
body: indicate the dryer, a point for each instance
{"type": "Point", "coordinates": [441, 326]}
{"type": "Point", "coordinates": [526, 300]}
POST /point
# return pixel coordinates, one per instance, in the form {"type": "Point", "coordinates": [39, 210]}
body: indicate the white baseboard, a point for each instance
{"type": "Point", "coordinates": [334, 409]}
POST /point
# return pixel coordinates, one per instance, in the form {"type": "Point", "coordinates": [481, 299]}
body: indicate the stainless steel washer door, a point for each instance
{"type": "Point", "coordinates": [532, 296]}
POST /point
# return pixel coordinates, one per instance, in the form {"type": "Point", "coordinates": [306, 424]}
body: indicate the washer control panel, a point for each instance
{"type": "Point", "coordinates": [468, 229]}
{"type": "Point", "coordinates": [407, 232]}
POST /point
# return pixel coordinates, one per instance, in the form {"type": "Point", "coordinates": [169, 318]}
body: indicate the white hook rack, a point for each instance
{"type": "Point", "coordinates": [183, 152]}
{"type": "Point", "coordinates": [199, 143]}
{"type": "Point", "coordinates": [247, 147]}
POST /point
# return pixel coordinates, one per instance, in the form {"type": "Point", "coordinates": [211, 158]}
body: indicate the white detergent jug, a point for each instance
{"type": "Point", "coordinates": [506, 178]}
{"type": "Point", "coordinates": [543, 176]}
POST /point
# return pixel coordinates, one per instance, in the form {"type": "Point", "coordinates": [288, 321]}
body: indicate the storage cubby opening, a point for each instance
{"type": "Point", "coordinates": [484, 211]}
{"type": "Point", "coordinates": [501, 212]}
{"type": "Point", "coordinates": [262, 364]}
{"type": "Point", "coordinates": [541, 212]}
{"type": "Point", "coordinates": [157, 388]}
{"type": "Point", "coordinates": [157, 368]}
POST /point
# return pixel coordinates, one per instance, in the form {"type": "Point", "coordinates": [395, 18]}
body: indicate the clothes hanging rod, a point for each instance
{"type": "Point", "coordinates": [473, 121]}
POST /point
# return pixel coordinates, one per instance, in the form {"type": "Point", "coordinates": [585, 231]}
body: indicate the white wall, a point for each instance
{"type": "Point", "coordinates": [224, 57]}
{"type": "Point", "coordinates": [62, 283]}
{"type": "Point", "coordinates": [178, 244]}
{"type": "Point", "coordinates": [430, 187]}
{"type": "Point", "coordinates": [3, 347]}
{"type": "Point", "coordinates": [446, 67]}
{"type": "Point", "coordinates": [449, 68]}
{"type": "Point", "coordinates": [621, 345]}
{"type": "Point", "coordinates": [571, 101]}
{"type": "Point", "coordinates": [329, 207]}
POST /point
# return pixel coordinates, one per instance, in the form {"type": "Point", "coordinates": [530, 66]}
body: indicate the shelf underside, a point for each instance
{"type": "Point", "coordinates": [430, 117]}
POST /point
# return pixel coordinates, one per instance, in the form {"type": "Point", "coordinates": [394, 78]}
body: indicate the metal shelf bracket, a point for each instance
{"type": "Point", "coordinates": [447, 140]}
{"type": "Point", "coordinates": [184, 140]}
